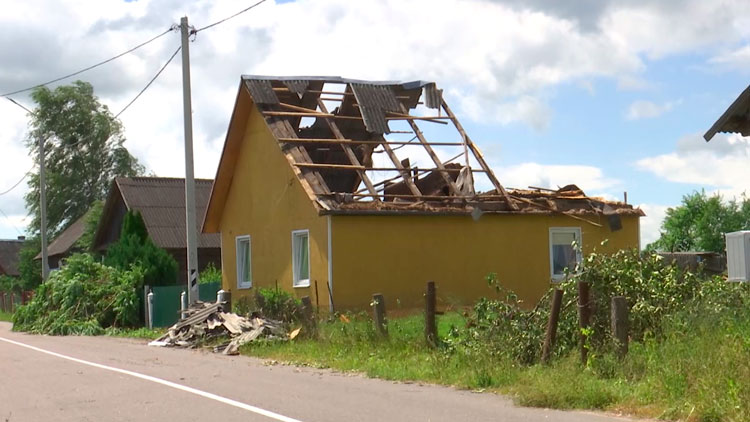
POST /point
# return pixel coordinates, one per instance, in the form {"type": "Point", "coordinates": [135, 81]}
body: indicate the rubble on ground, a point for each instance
{"type": "Point", "coordinates": [204, 321]}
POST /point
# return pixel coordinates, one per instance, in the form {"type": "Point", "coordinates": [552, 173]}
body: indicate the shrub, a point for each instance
{"type": "Point", "coordinates": [83, 297]}
{"type": "Point", "coordinates": [210, 274]}
{"type": "Point", "coordinates": [277, 304]}
{"type": "Point", "coordinates": [135, 248]}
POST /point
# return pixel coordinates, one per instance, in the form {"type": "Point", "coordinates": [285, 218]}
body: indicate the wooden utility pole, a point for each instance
{"type": "Point", "coordinates": [43, 210]}
{"type": "Point", "coordinates": [190, 224]}
{"type": "Point", "coordinates": [620, 325]}
{"type": "Point", "coordinates": [554, 317]}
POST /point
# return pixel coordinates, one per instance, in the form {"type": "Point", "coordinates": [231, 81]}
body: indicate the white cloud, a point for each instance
{"type": "Point", "coordinates": [651, 223]}
{"type": "Point", "coordinates": [738, 59]}
{"type": "Point", "coordinates": [643, 109]}
{"type": "Point", "coordinates": [721, 164]}
{"type": "Point", "coordinates": [590, 179]}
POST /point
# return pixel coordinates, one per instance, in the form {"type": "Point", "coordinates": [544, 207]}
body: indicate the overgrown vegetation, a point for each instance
{"type": "Point", "coordinates": [83, 297]}
{"type": "Point", "coordinates": [135, 247]}
{"type": "Point", "coordinates": [271, 303]}
{"type": "Point", "coordinates": [687, 360]}
{"type": "Point", "coordinates": [210, 274]}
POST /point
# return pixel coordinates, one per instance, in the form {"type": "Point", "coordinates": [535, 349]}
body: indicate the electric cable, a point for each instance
{"type": "Point", "coordinates": [149, 82]}
{"type": "Point", "coordinates": [195, 31]}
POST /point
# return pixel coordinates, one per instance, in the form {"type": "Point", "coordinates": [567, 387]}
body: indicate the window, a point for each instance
{"type": "Point", "coordinates": [300, 258]}
{"type": "Point", "coordinates": [244, 269]}
{"type": "Point", "coordinates": [564, 250]}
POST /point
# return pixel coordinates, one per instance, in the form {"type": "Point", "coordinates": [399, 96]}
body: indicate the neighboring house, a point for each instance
{"type": "Point", "coordinates": [64, 244]}
{"type": "Point", "coordinates": [161, 203]}
{"type": "Point", "coordinates": [327, 187]}
{"type": "Point", "coordinates": [9, 255]}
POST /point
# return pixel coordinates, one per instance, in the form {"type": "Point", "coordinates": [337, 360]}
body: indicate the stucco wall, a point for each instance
{"type": "Point", "coordinates": [267, 202]}
{"type": "Point", "coordinates": [397, 255]}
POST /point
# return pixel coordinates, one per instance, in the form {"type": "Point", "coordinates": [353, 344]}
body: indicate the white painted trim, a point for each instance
{"type": "Point", "coordinates": [210, 396]}
{"type": "Point", "coordinates": [242, 284]}
{"type": "Point", "coordinates": [302, 282]}
{"type": "Point", "coordinates": [330, 266]}
{"type": "Point", "coordinates": [579, 254]}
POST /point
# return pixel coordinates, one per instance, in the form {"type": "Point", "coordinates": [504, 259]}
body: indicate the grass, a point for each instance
{"type": "Point", "coordinates": [698, 370]}
{"type": "Point", "coordinates": [6, 316]}
{"type": "Point", "coordinates": [142, 333]}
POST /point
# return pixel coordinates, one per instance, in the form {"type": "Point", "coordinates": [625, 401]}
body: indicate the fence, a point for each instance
{"type": "Point", "coordinates": [167, 301]}
{"type": "Point", "coordinates": [10, 300]}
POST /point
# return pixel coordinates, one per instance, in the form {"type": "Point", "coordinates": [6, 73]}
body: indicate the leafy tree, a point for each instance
{"type": "Point", "coordinates": [135, 248]}
{"type": "Point", "coordinates": [30, 269]}
{"type": "Point", "coordinates": [84, 151]}
{"type": "Point", "coordinates": [700, 222]}
{"type": "Point", "coordinates": [91, 222]}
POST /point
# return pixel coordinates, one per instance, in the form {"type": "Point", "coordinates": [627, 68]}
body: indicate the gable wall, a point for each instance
{"type": "Point", "coordinates": [266, 201]}
{"type": "Point", "coordinates": [397, 255]}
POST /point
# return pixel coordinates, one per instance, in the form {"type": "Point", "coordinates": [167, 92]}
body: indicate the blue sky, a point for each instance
{"type": "Point", "coordinates": [611, 95]}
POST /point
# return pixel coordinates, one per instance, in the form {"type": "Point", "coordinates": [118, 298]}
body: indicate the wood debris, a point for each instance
{"type": "Point", "coordinates": [206, 321]}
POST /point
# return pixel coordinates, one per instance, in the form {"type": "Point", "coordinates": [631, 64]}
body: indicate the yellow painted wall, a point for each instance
{"type": "Point", "coordinates": [267, 202]}
{"type": "Point", "coordinates": [397, 255]}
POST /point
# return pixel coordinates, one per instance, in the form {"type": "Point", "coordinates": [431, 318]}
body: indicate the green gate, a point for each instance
{"type": "Point", "coordinates": [167, 301]}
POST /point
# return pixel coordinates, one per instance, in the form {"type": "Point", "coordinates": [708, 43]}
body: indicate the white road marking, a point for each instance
{"type": "Point", "coordinates": [171, 384]}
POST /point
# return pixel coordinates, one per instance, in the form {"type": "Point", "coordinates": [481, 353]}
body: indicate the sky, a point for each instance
{"type": "Point", "coordinates": [611, 95]}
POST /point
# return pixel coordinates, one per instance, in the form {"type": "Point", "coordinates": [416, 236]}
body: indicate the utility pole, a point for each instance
{"type": "Point", "coordinates": [191, 228]}
{"type": "Point", "coordinates": [43, 210]}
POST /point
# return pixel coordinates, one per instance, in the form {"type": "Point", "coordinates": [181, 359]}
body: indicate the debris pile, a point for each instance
{"type": "Point", "coordinates": [205, 321]}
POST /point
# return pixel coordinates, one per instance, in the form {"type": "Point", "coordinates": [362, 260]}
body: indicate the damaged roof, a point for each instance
{"type": "Point", "coordinates": [378, 147]}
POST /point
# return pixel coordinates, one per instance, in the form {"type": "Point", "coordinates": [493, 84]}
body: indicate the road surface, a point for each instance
{"type": "Point", "coordinates": [110, 379]}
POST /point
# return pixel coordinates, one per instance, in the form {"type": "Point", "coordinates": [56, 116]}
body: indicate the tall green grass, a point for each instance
{"type": "Point", "coordinates": [6, 316]}
{"type": "Point", "coordinates": [698, 369]}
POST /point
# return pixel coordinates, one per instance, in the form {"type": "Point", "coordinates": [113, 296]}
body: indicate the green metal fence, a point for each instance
{"type": "Point", "coordinates": [167, 301]}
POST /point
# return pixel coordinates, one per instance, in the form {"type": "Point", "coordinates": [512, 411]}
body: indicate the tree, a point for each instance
{"type": "Point", "coordinates": [135, 248]}
{"type": "Point", "coordinates": [700, 222]}
{"type": "Point", "coordinates": [91, 223]}
{"type": "Point", "coordinates": [83, 152]}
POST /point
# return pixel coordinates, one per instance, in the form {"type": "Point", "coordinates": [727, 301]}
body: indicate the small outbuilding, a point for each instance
{"type": "Point", "coordinates": [10, 250]}
{"type": "Point", "coordinates": [337, 188]}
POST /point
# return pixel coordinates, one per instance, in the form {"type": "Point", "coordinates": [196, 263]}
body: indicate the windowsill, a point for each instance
{"type": "Point", "coordinates": [301, 284]}
{"type": "Point", "coordinates": [244, 286]}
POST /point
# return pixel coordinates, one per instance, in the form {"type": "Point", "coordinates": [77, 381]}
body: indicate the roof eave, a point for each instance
{"type": "Point", "coordinates": [733, 112]}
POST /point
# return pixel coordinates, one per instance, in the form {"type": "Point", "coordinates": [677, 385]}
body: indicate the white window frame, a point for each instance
{"type": "Point", "coordinates": [296, 281]}
{"type": "Point", "coordinates": [244, 284]}
{"type": "Point", "coordinates": [576, 231]}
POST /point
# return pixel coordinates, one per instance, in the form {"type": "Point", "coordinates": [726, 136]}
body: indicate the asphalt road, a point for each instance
{"type": "Point", "coordinates": [109, 379]}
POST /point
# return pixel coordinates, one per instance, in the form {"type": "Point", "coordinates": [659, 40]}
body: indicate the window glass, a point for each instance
{"type": "Point", "coordinates": [301, 258]}
{"type": "Point", "coordinates": [564, 250]}
{"type": "Point", "coordinates": [244, 275]}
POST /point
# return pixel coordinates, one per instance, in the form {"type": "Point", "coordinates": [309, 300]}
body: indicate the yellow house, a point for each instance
{"type": "Point", "coordinates": [338, 189]}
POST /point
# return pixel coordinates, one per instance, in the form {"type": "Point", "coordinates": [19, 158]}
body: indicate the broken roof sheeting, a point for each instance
{"type": "Point", "coordinates": [736, 119]}
{"type": "Point", "coordinates": [334, 159]}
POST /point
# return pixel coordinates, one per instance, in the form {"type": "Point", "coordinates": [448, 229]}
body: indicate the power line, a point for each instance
{"type": "Point", "coordinates": [18, 182]}
{"type": "Point", "coordinates": [228, 17]}
{"type": "Point", "coordinates": [149, 82]}
{"type": "Point", "coordinates": [172, 28]}
{"type": "Point", "coordinates": [18, 104]}
{"type": "Point", "coordinates": [11, 222]}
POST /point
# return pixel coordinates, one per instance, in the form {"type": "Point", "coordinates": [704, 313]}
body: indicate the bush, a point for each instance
{"type": "Point", "coordinates": [210, 274]}
{"type": "Point", "coordinates": [277, 304]}
{"type": "Point", "coordinates": [135, 248]}
{"type": "Point", "coordinates": [83, 297]}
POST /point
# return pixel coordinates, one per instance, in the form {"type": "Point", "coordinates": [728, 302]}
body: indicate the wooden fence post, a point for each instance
{"type": "Point", "coordinates": [378, 315]}
{"type": "Point", "coordinates": [554, 317]}
{"type": "Point", "coordinates": [620, 325]}
{"type": "Point", "coordinates": [584, 317]}
{"type": "Point", "coordinates": [430, 326]}
{"type": "Point", "coordinates": [309, 316]}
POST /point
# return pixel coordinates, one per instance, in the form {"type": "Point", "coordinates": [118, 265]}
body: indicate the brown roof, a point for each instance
{"type": "Point", "coordinates": [357, 147]}
{"type": "Point", "coordinates": [9, 251]}
{"type": "Point", "coordinates": [67, 239]}
{"type": "Point", "coordinates": [161, 202]}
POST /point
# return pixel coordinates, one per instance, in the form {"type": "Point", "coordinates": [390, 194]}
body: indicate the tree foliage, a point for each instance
{"type": "Point", "coordinates": [91, 222]}
{"type": "Point", "coordinates": [135, 247]}
{"type": "Point", "coordinates": [29, 269]}
{"type": "Point", "coordinates": [700, 222]}
{"type": "Point", "coordinates": [84, 151]}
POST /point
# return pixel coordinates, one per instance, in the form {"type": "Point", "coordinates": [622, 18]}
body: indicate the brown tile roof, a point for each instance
{"type": "Point", "coordinates": [161, 202]}
{"type": "Point", "coordinates": [67, 239]}
{"type": "Point", "coordinates": [9, 250]}
{"type": "Point", "coordinates": [357, 147]}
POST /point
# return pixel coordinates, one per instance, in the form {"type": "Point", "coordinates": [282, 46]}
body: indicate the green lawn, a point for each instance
{"type": "Point", "coordinates": [699, 373]}
{"type": "Point", "coordinates": [5, 316]}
